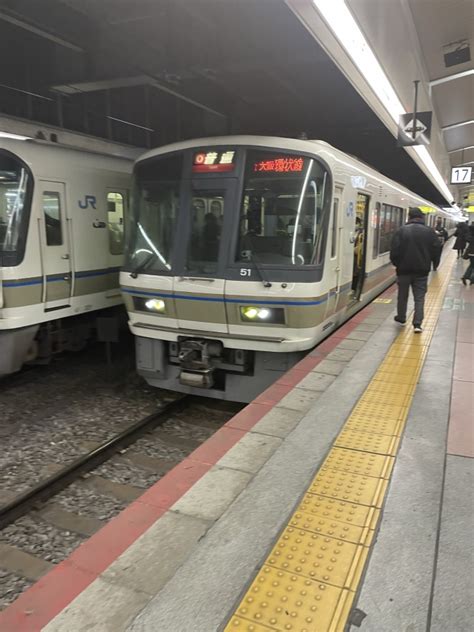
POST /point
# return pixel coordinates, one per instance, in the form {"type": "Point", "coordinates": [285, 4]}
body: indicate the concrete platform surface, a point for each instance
{"type": "Point", "coordinates": [182, 556]}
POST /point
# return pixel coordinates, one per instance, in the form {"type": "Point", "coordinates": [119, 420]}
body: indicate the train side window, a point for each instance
{"type": "Point", "coordinates": [390, 222]}
{"type": "Point", "coordinates": [115, 204]}
{"type": "Point", "coordinates": [52, 218]}
{"type": "Point", "coordinates": [334, 231]}
{"type": "Point", "coordinates": [376, 227]}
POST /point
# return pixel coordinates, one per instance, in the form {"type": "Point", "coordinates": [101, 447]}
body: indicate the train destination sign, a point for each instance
{"type": "Point", "coordinates": [213, 161]}
{"type": "Point", "coordinates": [285, 164]}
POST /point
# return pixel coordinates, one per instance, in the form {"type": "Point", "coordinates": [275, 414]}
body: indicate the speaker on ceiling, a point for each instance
{"type": "Point", "coordinates": [458, 56]}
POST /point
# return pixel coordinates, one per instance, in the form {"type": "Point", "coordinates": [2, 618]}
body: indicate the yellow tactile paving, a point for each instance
{"type": "Point", "coordinates": [311, 576]}
{"type": "Point", "coordinates": [288, 602]}
{"type": "Point", "coordinates": [366, 463]}
{"type": "Point", "coordinates": [316, 523]}
{"type": "Point", "coordinates": [353, 488]}
{"type": "Point", "coordinates": [368, 441]}
{"type": "Point", "coordinates": [319, 557]}
{"type": "Point", "coordinates": [332, 508]}
{"type": "Point", "coordinates": [386, 399]}
{"type": "Point", "coordinates": [368, 408]}
{"type": "Point", "coordinates": [376, 425]}
{"type": "Point", "coordinates": [406, 351]}
{"type": "Point", "coordinates": [396, 377]}
{"type": "Point", "coordinates": [389, 387]}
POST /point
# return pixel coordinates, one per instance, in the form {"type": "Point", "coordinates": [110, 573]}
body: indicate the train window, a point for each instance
{"type": "Point", "coordinates": [115, 204]}
{"type": "Point", "coordinates": [285, 210]}
{"type": "Point", "coordinates": [376, 229]}
{"type": "Point", "coordinates": [154, 211]}
{"type": "Point", "coordinates": [52, 218]}
{"type": "Point", "coordinates": [206, 227]}
{"type": "Point", "coordinates": [391, 218]}
{"type": "Point", "coordinates": [15, 200]}
{"type": "Point", "coordinates": [334, 227]}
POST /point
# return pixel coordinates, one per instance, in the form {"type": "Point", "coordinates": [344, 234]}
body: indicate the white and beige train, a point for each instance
{"type": "Point", "coordinates": [244, 252]}
{"type": "Point", "coordinates": [61, 244]}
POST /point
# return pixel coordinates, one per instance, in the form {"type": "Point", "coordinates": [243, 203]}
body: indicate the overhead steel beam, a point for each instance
{"type": "Point", "coordinates": [458, 75]}
{"type": "Point", "coordinates": [446, 128]}
{"type": "Point", "coordinates": [40, 32]}
{"type": "Point", "coordinates": [126, 82]}
{"type": "Point", "coordinates": [105, 84]}
{"type": "Point", "coordinates": [454, 151]}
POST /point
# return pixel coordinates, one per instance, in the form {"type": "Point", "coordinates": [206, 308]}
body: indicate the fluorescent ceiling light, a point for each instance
{"type": "Point", "coordinates": [458, 75]}
{"type": "Point", "coordinates": [14, 136]}
{"type": "Point", "coordinates": [456, 125]}
{"type": "Point", "coordinates": [425, 156]}
{"type": "Point", "coordinates": [345, 28]}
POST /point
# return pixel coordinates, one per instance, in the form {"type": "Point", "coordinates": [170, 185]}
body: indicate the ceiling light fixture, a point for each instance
{"type": "Point", "coordinates": [345, 28]}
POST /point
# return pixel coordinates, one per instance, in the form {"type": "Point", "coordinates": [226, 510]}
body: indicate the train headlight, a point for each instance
{"type": "Point", "coordinates": [253, 313]}
{"type": "Point", "coordinates": [155, 305]}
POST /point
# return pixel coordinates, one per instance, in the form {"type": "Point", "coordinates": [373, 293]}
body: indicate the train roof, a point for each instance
{"type": "Point", "coordinates": [39, 153]}
{"type": "Point", "coordinates": [20, 144]}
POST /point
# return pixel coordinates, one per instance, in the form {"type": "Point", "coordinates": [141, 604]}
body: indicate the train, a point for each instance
{"type": "Point", "coordinates": [62, 215]}
{"type": "Point", "coordinates": [243, 252]}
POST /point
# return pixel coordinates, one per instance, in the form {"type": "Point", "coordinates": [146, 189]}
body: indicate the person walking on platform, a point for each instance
{"type": "Point", "coordinates": [443, 236]}
{"type": "Point", "coordinates": [461, 233]}
{"type": "Point", "coordinates": [414, 247]}
{"type": "Point", "coordinates": [469, 274]}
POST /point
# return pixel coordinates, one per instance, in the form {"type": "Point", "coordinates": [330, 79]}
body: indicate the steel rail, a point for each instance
{"type": "Point", "coordinates": [50, 486]}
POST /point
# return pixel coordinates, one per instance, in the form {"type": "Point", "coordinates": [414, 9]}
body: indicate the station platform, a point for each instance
{"type": "Point", "coordinates": [342, 497]}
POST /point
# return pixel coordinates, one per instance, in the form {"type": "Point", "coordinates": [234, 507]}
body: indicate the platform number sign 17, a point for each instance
{"type": "Point", "coordinates": [461, 175]}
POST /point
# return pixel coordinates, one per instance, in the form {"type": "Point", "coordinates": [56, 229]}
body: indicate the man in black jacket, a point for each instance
{"type": "Point", "coordinates": [414, 247]}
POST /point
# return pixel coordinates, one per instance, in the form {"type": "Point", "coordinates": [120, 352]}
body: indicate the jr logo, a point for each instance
{"type": "Point", "coordinates": [89, 202]}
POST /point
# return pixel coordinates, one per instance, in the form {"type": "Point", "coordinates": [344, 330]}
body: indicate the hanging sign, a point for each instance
{"type": "Point", "coordinates": [461, 175]}
{"type": "Point", "coordinates": [414, 130]}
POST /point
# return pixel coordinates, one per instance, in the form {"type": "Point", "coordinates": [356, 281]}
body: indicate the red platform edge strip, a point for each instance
{"type": "Point", "coordinates": [51, 594]}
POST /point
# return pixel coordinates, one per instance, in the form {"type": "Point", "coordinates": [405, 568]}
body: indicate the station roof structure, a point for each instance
{"type": "Point", "coordinates": [151, 72]}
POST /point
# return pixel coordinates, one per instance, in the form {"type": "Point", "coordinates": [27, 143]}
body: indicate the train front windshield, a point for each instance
{"type": "Point", "coordinates": [199, 212]}
{"type": "Point", "coordinates": [15, 195]}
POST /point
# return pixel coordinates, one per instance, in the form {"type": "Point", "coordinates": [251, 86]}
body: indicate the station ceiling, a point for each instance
{"type": "Point", "coordinates": [446, 27]}
{"type": "Point", "coordinates": [150, 72]}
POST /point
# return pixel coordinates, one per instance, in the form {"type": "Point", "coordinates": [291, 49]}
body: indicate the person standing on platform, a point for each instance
{"type": "Point", "coordinates": [414, 248]}
{"type": "Point", "coordinates": [469, 274]}
{"type": "Point", "coordinates": [461, 233]}
{"type": "Point", "coordinates": [443, 236]}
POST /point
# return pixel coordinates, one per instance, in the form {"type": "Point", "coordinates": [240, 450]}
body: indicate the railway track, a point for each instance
{"type": "Point", "coordinates": [41, 525]}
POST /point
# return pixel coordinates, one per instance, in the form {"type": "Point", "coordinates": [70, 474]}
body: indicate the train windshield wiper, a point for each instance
{"type": "Point", "coordinates": [143, 265]}
{"type": "Point", "coordinates": [255, 260]}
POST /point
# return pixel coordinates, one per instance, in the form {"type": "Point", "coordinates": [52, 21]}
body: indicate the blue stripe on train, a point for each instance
{"type": "Point", "coordinates": [227, 300]}
{"type": "Point", "coordinates": [52, 279]}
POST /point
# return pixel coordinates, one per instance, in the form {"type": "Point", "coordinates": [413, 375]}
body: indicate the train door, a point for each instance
{"type": "Point", "coordinates": [199, 291]}
{"type": "Point", "coordinates": [116, 210]}
{"type": "Point", "coordinates": [335, 254]}
{"type": "Point", "coordinates": [360, 245]}
{"type": "Point", "coordinates": [55, 245]}
{"type": "Point", "coordinates": [117, 206]}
